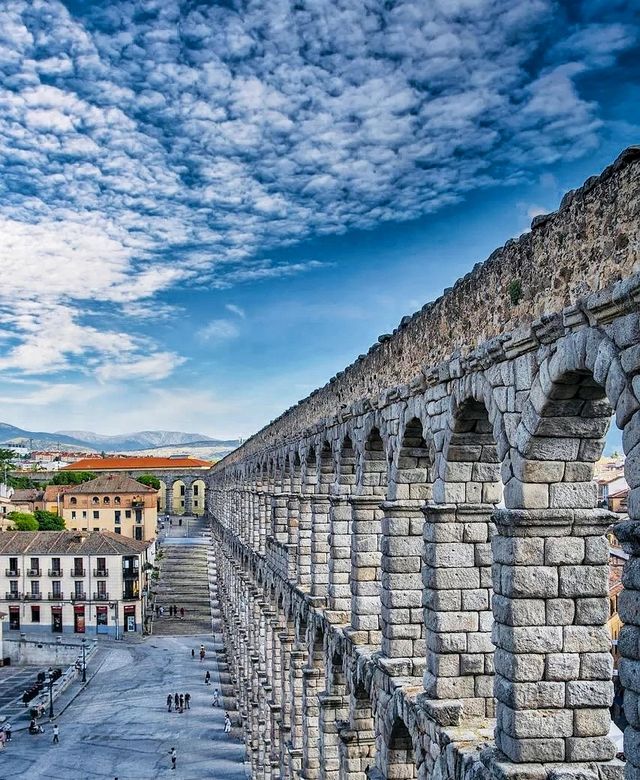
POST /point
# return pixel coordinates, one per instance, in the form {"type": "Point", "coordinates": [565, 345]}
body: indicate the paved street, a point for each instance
{"type": "Point", "coordinates": [119, 726]}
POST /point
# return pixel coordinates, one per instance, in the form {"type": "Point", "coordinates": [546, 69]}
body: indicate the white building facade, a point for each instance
{"type": "Point", "coordinates": [65, 582]}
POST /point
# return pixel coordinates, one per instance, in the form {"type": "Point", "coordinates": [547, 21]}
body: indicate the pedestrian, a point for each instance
{"type": "Point", "coordinates": [176, 701]}
{"type": "Point", "coordinates": [25, 698]}
{"type": "Point", "coordinates": [3, 739]}
{"type": "Point", "coordinates": [169, 702]}
{"type": "Point", "coordinates": [201, 655]}
{"type": "Point", "coordinates": [56, 734]}
{"type": "Point", "coordinates": [157, 610]}
{"type": "Point", "coordinates": [175, 610]}
{"type": "Point", "coordinates": [216, 697]}
{"type": "Point", "coordinates": [207, 678]}
{"type": "Point", "coordinates": [193, 653]}
{"type": "Point", "coordinates": [227, 723]}
{"type": "Point", "coordinates": [161, 611]}
{"type": "Point", "coordinates": [174, 757]}
{"type": "Point", "coordinates": [181, 612]}
{"type": "Point", "coordinates": [187, 700]}
{"type": "Point", "coordinates": [181, 702]}
{"type": "Point", "coordinates": [7, 730]}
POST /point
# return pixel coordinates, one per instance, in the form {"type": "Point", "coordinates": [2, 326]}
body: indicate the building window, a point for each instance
{"type": "Point", "coordinates": [55, 589]}
{"type": "Point", "coordinates": [73, 514]}
{"type": "Point", "coordinates": [138, 515]}
{"type": "Point", "coordinates": [34, 565]}
{"type": "Point", "coordinates": [102, 588]}
{"type": "Point", "coordinates": [106, 500]}
{"type": "Point", "coordinates": [116, 500]}
{"type": "Point", "coordinates": [116, 517]}
{"type": "Point", "coordinates": [195, 503]}
{"type": "Point", "coordinates": [95, 500]}
{"type": "Point", "coordinates": [118, 530]}
{"type": "Point", "coordinates": [196, 489]}
{"type": "Point", "coordinates": [96, 527]}
{"type": "Point", "coordinates": [96, 514]}
{"type": "Point", "coordinates": [78, 586]}
{"type": "Point", "coordinates": [73, 500]}
{"type": "Point", "coordinates": [13, 566]}
{"type": "Point", "coordinates": [55, 566]}
{"type": "Point", "coordinates": [56, 620]}
{"type": "Point", "coordinates": [183, 490]}
{"type": "Point", "coordinates": [35, 588]}
{"type": "Point", "coordinates": [137, 533]}
{"type": "Point", "coordinates": [78, 569]}
{"type": "Point", "coordinates": [78, 619]}
{"type": "Point", "coordinates": [35, 614]}
{"type": "Point", "coordinates": [14, 618]}
{"type": "Point", "coordinates": [84, 514]}
{"type": "Point", "coordinates": [127, 514]}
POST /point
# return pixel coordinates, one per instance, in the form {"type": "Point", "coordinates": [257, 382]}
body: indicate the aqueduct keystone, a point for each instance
{"type": "Point", "coordinates": [414, 566]}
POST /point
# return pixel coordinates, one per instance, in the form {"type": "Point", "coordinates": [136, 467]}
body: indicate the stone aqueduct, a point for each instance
{"type": "Point", "coordinates": [413, 563]}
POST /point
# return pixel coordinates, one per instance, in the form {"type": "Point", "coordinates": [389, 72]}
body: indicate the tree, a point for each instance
{"type": "Point", "coordinates": [48, 521]}
{"type": "Point", "coordinates": [22, 483]}
{"type": "Point", "coordinates": [150, 480]}
{"type": "Point", "coordinates": [23, 521]}
{"type": "Point", "coordinates": [7, 463]}
{"type": "Point", "coordinates": [73, 477]}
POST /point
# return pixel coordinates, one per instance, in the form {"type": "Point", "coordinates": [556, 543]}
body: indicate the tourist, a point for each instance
{"type": "Point", "coordinates": [176, 701]}
{"type": "Point", "coordinates": [7, 731]}
{"type": "Point", "coordinates": [227, 723]}
{"type": "Point", "coordinates": [201, 654]}
{"type": "Point", "coordinates": [187, 700]}
{"type": "Point", "coordinates": [216, 697]}
{"type": "Point", "coordinates": [174, 757]}
{"type": "Point", "coordinates": [169, 702]}
{"type": "Point", "coordinates": [56, 734]}
{"type": "Point", "coordinates": [207, 678]}
{"type": "Point", "coordinates": [181, 612]}
{"type": "Point", "coordinates": [193, 653]}
{"type": "Point", "coordinates": [175, 610]}
{"type": "Point", "coordinates": [181, 702]}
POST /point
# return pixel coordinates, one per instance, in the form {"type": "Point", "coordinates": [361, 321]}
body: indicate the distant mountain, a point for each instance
{"type": "Point", "coordinates": [95, 442]}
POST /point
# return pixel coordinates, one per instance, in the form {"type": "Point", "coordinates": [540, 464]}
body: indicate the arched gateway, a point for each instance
{"type": "Point", "coordinates": [414, 559]}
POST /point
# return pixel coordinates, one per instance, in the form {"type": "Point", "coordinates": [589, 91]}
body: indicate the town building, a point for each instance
{"type": "Point", "coordinates": [182, 486]}
{"type": "Point", "coordinates": [74, 582]}
{"type": "Point", "coordinates": [112, 502]}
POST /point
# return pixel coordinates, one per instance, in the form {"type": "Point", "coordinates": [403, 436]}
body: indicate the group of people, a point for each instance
{"type": "Point", "coordinates": [173, 611]}
{"type": "Point", "coordinates": [179, 701]}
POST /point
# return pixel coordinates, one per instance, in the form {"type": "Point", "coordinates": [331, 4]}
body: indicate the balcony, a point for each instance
{"type": "Point", "coordinates": [137, 504]}
{"type": "Point", "coordinates": [101, 597]}
{"type": "Point", "coordinates": [101, 572]}
{"type": "Point", "coordinates": [78, 572]}
{"type": "Point", "coordinates": [33, 596]}
{"type": "Point", "coordinates": [55, 596]}
{"type": "Point", "coordinates": [34, 572]}
{"type": "Point", "coordinates": [129, 595]}
{"type": "Point", "coordinates": [12, 572]}
{"type": "Point", "coordinates": [78, 597]}
{"type": "Point", "coordinates": [54, 572]}
{"type": "Point", "coordinates": [13, 596]}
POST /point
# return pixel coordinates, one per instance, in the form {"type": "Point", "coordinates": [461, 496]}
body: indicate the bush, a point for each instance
{"type": "Point", "coordinates": [48, 521]}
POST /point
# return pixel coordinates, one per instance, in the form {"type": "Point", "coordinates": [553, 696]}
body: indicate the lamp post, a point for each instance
{"type": "Point", "coordinates": [50, 673]}
{"type": "Point", "coordinates": [84, 660]}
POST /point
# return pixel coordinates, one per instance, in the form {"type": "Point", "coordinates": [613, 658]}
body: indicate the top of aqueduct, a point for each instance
{"type": "Point", "coordinates": [507, 304]}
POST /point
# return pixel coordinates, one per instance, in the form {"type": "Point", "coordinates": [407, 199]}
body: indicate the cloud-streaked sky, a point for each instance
{"type": "Point", "coordinates": [208, 208]}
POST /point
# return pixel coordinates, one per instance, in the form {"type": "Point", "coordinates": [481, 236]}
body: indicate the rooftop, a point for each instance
{"type": "Point", "coordinates": [142, 462]}
{"type": "Point", "coordinates": [69, 542]}
{"type": "Point", "coordinates": [111, 483]}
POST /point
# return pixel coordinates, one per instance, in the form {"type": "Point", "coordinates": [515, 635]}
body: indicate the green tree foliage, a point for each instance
{"type": "Point", "coordinates": [73, 477]}
{"type": "Point", "coordinates": [23, 483]}
{"type": "Point", "coordinates": [150, 480]}
{"type": "Point", "coordinates": [48, 521]}
{"type": "Point", "coordinates": [23, 521]}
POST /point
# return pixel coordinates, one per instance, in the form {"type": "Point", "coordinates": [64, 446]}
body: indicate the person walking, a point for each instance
{"type": "Point", "coordinates": [181, 612]}
{"type": "Point", "coordinates": [201, 655]}
{"type": "Point", "coordinates": [56, 734]}
{"type": "Point", "coordinates": [216, 697]}
{"type": "Point", "coordinates": [175, 610]}
{"type": "Point", "coordinates": [174, 757]}
{"type": "Point", "coordinates": [193, 653]}
{"type": "Point", "coordinates": [169, 702]}
{"type": "Point", "coordinates": [176, 701]}
{"type": "Point", "coordinates": [187, 700]}
{"type": "Point", "coordinates": [181, 702]}
{"type": "Point", "coordinates": [207, 678]}
{"type": "Point", "coordinates": [227, 723]}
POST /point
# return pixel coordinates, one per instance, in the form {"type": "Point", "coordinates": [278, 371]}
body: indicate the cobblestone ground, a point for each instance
{"type": "Point", "coordinates": [119, 727]}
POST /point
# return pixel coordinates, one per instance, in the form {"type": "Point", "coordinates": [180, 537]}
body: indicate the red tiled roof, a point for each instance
{"type": "Point", "coordinates": [141, 462]}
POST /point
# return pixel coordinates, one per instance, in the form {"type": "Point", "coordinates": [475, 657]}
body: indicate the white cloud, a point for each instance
{"type": "Point", "coordinates": [236, 310]}
{"type": "Point", "coordinates": [218, 330]}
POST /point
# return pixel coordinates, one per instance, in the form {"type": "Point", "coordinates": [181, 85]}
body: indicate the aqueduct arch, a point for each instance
{"type": "Point", "coordinates": [418, 544]}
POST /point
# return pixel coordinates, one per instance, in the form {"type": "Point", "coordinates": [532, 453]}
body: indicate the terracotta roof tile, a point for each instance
{"type": "Point", "coordinates": [112, 483]}
{"type": "Point", "coordinates": [69, 542]}
{"type": "Point", "coordinates": [143, 462]}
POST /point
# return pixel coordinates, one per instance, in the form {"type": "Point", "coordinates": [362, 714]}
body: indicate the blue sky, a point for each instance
{"type": "Point", "coordinates": [208, 208]}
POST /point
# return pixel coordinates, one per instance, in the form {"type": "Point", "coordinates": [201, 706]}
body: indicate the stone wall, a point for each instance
{"type": "Point", "coordinates": [413, 561]}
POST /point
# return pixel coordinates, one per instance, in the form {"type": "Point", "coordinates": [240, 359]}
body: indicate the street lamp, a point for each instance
{"type": "Point", "coordinates": [50, 673]}
{"type": "Point", "coordinates": [84, 660]}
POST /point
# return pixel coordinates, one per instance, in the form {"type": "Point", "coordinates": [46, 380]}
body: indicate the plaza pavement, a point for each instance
{"type": "Point", "coordinates": [119, 727]}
